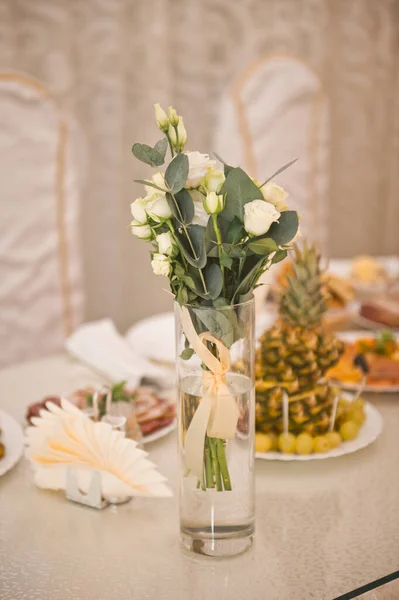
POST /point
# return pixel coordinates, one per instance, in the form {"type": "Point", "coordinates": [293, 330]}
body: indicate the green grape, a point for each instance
{"type": "Point", "coordinates": [304, 443]}
{"type": "Point", "coordinates": [263, 442]}
{"type": "Point", "coordinates": [349, 430]}
{"type": "Point", "coordinates": [321, 444]}
{"type": "Point", "coordinates": [334, 439]}
{"type": "Point", "coordinates": [286, 443]}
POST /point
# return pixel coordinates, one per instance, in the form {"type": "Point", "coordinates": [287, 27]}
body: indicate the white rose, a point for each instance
{"type": "Point", "coordinates": [159, 180]}
{"type": "Point", "coordinates": [160, 264]}
{"type": "Point", "coordinates": [199, 165]}
{"type": "Point", "coordinates": [213, 180]}
{"type": "Point", "coordinates": [258, 217]}
{"type": "Point", "coordinates": [165, 243]}
{"type": "Point", "coordinates": [201, 217]}
{"type": "Point", "coordinates": [158, 208]}
{"type": "Point", "coordinates": [141, 231]}
{"type": "Point", "coordinates": [275, 194]}
{"type": "Point", "coordinates": [213, 203]}
{"type": "Point", "coordinates": [138, 208]}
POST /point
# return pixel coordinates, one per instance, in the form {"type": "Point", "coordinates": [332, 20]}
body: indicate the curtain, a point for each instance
{"type": "Point", "coordinates": [108, 61]}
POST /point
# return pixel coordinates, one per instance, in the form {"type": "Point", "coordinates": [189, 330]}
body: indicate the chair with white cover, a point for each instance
{"type": "Point", "coordinates": [274, 111]}
{"type": "Point", "coordinates": [41, 294]}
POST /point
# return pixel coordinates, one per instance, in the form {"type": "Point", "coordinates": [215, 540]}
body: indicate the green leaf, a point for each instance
{"type": "Point", "coordinates": [217, 323]}
{"type": "Point", "coordinates": [252, 271]}
{"type": "Point", "coordinates": [214, 280]}
{"type": "Point", "coordinates": [235, 231]}
{"type": "Point", "coordinates": [161, 147]}
{"type": "Point", "coordinates": [177, 172]}
{"type": "Point", "coordinates": [195, 252]}
{"type": "Point", "coordinates": [280, 170]}
{"type": "Point", "coordinates": [187, 353]}
{"type": "Point", "coordinates": [227, 168]}
{"type": "Point", "coordinates": [225, 260]}
{"type": "Point", "coordinates": [148, 155]}
{"type": "Point", "coordinates": [279, 256]}
{"type": "Point", "coordinates": [184, 211]}
{"type": "Point", "coordinates": [263, 246]}
{"type": "Point", "coordinates": [240, 189]}
{"type": "Point", "coordinates": [285, 230]}
{"type": "Point", "coordinates": [150, 183]}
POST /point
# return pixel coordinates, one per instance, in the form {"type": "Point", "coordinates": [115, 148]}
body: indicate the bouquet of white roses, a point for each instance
{"type": "Point", "coordinates": [213, 232]}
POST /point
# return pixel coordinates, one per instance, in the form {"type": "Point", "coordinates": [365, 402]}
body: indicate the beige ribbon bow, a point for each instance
{"type": "Point", "coordinates": [217, 413]}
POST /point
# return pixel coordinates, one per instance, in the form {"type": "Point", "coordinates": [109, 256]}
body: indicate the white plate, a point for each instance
{"type": "Point", "coordinates": [154, 337]}
{"type": "Point", "coordinates": [13, 439]}
{"type": "Point", "coordinates": [160, 433]}
{"type": "Point", "coordinates": [368, 433]}
{"type": "Point", "coordinates": [352, 336]}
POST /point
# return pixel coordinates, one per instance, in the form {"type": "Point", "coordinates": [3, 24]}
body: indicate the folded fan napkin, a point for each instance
{"type": "Point", "coordinates": [100, 346]}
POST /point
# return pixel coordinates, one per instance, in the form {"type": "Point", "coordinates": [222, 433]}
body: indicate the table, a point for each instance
{"type": "Point", "coordinates": [323, 527]}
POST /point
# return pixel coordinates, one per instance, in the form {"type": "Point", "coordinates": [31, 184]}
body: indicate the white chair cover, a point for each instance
{"type": "Point", "coordinates": [275, 111]}
{"type": "Point", "coordinates": [41, 297]}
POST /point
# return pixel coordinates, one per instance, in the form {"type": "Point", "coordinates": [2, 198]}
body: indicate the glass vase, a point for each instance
{"type": "Point", "coordinates": [215, 348]}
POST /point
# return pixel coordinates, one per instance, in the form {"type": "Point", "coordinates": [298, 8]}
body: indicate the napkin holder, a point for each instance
{"type": "Point", "coordinates": [93, 498]}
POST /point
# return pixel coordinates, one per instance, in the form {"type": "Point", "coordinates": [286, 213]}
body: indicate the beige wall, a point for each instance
{"type": "Point", "coordinates": [108, 61]}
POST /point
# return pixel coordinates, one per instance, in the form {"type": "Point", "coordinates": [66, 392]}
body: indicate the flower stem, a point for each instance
{"type": "Point", "coordinates": [170, 144]}
{"type": "Point", "coordinates": [209, 483]}
{"type": "Point", "coordinates": [220, 248]}
{"type": "Point", "coordinates": [189, 240]}
{"type": "Point", "coordinates": [215, 463]}
{"type": "Point", "coordinates": [221, 453]}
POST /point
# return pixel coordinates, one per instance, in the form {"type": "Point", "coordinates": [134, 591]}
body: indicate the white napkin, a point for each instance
{"type": "Point", "coordinates": [101, 347]}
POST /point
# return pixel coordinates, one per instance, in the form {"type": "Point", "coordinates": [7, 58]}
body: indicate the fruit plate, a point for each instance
{"type": "Point", "coordinates": [368, 433]}
{"type": "Point", "coordinates": [13, 439]}
{"type": "Point", "coordinates": [351, 337]}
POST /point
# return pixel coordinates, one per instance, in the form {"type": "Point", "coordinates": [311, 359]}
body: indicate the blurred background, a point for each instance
{"type": "Point", "coordinates": [259, 81]}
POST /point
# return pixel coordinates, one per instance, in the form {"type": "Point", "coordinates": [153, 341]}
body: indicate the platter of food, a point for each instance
{"type": "Point", "coordinates": [11, 442]}
{"type": "Point", "coordinates": [381, 352]}
{"type": "Point", "coordinates": [150, 415]}
{"type": "Point", "coordinates": [359, 424]}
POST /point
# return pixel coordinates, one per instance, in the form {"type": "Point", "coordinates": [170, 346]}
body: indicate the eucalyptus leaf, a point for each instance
{"type": "Point", "coordinates": [225, 260]}
{"type": "Point", "coordinates": [235, 231]}
{"type": "Point", "coordinates": [182, 206]}
{"type": "Point", "coordinates": [285, 230]}
{"type": "Point", "coordinates": [280, 170]}
{"type": "Point", "coordinates": [149, 156]}
{"type": "Point", "coordinates": [177, 172]}
{"type": "Point", "coordinates": [193, 252]}
{"type": "Point", "coordinates": [161, 147]}
{"type": "Point", "coordinates": [217, 323]}
{"type": "Point", "coordinates": [240, 189]}
{"type": "Point", "coordinates": [214, 280]}
{"type": "Point", "coordinates": [263, 246]}
{"type": "Point", "coordinates": [187, 353]}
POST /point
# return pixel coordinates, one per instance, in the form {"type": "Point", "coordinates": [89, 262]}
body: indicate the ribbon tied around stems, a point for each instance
{"type": "Point", "coordinates": [217, 413]}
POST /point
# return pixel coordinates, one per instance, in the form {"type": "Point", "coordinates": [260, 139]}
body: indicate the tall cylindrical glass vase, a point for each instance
{"type": "Point", "coordinates": [215, 370]}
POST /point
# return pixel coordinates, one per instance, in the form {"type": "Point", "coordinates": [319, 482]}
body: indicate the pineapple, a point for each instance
{"type": "Point", "coordinates": [295, 354]}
